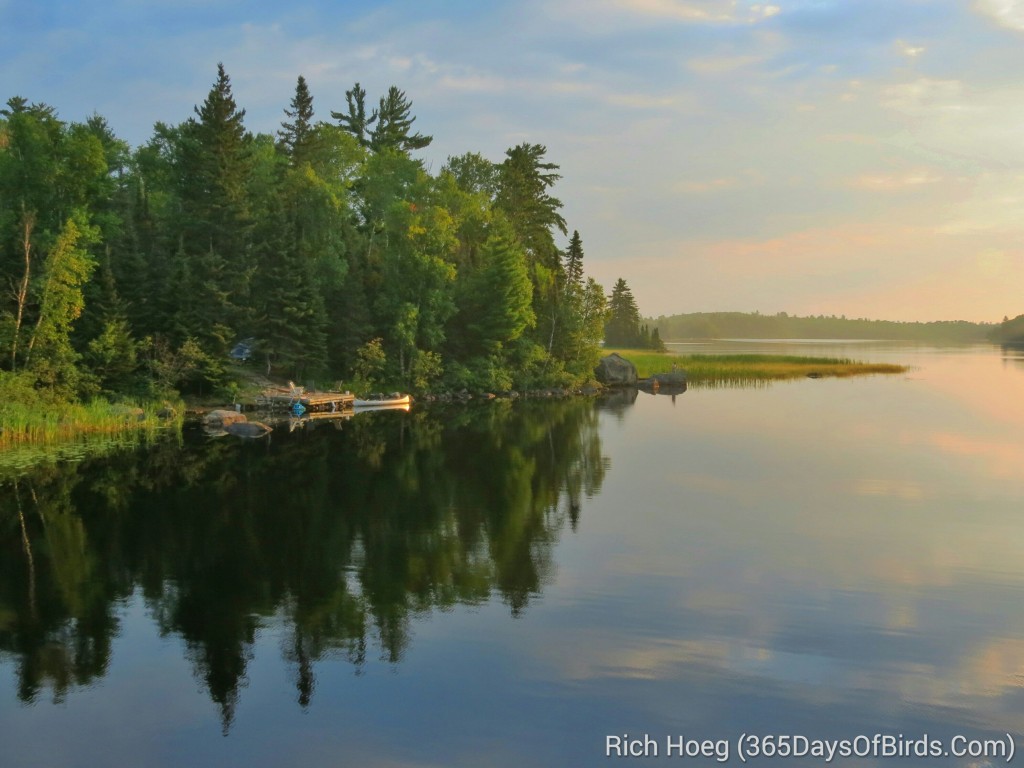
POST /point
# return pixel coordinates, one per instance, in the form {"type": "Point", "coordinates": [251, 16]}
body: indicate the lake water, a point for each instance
{"type": "Point", "coordinates": [527, 584]}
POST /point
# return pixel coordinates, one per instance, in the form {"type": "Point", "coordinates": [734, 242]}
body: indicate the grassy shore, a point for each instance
{"type": "Point", "coordinates": [712, 370]}
{"type": "Point", "coordinates": [22, 424]}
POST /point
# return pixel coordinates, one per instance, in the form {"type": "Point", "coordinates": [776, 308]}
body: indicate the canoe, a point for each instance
{"type": "Point", "coordinates": [381, 402]}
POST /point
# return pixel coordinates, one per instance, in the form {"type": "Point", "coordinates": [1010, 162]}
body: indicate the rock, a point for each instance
{"type": "Point", "coordinates": [616, 371]}
{"type": "Point", "coordinates": [248, 429]}
{"type": "Point", "coordinates": [222, 418]}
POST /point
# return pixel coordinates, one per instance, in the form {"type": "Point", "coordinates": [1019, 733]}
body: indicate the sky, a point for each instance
{"type": "Point", "coordinates": [857, 157]}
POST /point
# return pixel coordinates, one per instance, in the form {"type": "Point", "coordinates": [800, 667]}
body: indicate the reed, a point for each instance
{"type": "Point", "coordinates": [22, 423]}
{"type": "Point", "coordinates": [712, 370]}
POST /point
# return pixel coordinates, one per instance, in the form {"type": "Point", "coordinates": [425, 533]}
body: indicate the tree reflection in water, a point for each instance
{"type": "Point", "coordinates": [347, 534]}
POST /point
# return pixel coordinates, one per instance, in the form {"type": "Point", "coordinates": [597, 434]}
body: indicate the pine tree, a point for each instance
{"type": "Point", "coordinates": [574, 263]}
{"type": "Point", "coordinates": [524, 180]}
{"type": "Point", "coordinates": [298, 136]}
{"type": "Point", "coordinates": [217, 165]}
{"type": "Point", "coordinates": [393, 125]}
{"type": "Point", "coordinates": [623, 326]}
{"type": "Point", "coordinates": [501, 294]}
{"type": "Point", "coordinates": [355, 121]}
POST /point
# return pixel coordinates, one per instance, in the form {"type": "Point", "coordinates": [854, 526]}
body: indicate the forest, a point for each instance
{"type": "Point", "coordinates": [1009, 332]}
{"type": "Point", "coordinates": [754, 325]}
{"type": "Point", "coordinates": [327, 252]}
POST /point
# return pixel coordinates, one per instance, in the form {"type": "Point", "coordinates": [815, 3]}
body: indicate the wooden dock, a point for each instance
{"type": "Point", "coordinates": [313, 402]}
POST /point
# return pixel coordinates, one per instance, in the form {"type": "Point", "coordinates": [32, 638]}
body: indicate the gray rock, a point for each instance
{"type": "Point", "coordinates": [248, 429]}
{"type": "Point", "coordinates": [616, 371]}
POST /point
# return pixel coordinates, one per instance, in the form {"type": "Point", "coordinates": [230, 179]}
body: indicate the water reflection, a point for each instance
{"type": "Point", "coordinates": [343, 534]}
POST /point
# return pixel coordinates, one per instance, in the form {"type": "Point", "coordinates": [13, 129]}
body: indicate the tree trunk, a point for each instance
{"type": "Point", "coordinates": [21, 293]}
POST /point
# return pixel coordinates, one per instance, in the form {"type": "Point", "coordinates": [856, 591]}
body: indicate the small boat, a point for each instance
{"type": "Point", "coordinates": [382, 401]}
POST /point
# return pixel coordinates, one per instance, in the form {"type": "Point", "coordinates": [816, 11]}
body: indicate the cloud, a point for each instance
{"type": "Point", "coordinates": [923, 95]}
{"type": "Point", "coordinates": [723, 12]}
{"type": "Point", "coordinates": [1009, 13]}
{"type": "Point", "coordinates": [908, 50]}
{"type": "Point", "coordinates": [717, 65]}
{"type": "Point", "coordinates": [898, 181]}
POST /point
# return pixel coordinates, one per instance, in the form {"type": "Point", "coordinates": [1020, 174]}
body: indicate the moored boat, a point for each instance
{"type": "Point", "coordinates": [381, 401]}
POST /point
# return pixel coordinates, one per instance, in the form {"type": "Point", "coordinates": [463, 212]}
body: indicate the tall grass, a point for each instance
{"type": "Point", "coordinates": [39, 423]}
{"type": "Point", "coordinates": [717, 370]}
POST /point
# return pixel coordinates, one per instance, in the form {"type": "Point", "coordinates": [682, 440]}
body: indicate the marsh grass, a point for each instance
{"type": "Point", "coordinates": [750, 370]}
{"type": "Point", "coordinates": [37, 424]}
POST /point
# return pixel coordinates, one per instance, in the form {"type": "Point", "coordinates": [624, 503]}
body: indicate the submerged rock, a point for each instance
{"type": "Point", "coordinates": [248, 429]}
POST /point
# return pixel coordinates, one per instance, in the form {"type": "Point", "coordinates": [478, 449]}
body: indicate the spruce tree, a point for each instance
{"type": "Point", "coordinates": [623, 326]}
{"type": "Point", "coordinates": [574, 263]}
{"type": "Point", "coordinates": [218, 224]}
{"type": "Point", "coordinates": [298, 136]}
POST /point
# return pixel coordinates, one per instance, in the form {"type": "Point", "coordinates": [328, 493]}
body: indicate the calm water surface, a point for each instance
{"type": "Point", "coordinates": [508, 585]}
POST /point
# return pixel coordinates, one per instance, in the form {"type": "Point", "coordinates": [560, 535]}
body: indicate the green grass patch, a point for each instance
{"type": "Point", "coordinates": [725, 370]}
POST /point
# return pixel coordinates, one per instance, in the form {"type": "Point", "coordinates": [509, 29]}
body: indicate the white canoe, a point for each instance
{"type": "Point", "coordinates": [383, 402]}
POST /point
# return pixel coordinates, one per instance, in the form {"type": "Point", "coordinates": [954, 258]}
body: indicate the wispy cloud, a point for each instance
{"type": "Point", "coordinates": [923, 94]}
{"type": "Point", "coordinates": [1009, 13]}
{"type": "Point", "coordinates": [898, 181]}
{"type": "Point", "coordinates": [704, 11]}
{"type": "Point", "coordinates": [717, 65]}
{"type": "Point", "coordinates": [908, 50]}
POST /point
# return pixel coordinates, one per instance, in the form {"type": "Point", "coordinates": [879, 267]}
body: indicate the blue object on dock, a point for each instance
{"type": "Point", "coordinates": [298, 409]}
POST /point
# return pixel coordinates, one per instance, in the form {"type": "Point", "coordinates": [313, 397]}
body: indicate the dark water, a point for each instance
{"type": "Point", "coordinates": [511, 584]}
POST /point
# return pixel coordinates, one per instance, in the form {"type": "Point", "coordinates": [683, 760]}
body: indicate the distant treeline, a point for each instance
{"type": "Point", "coordinates": [1009, 332]}
{"type": "Point", "coordinates": [747, 325]}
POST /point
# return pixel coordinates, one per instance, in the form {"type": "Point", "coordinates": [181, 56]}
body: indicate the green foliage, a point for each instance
{"type": "Point", "coordinates": [328, 244]}
{"type": "Point", "coordinates": [371, 366]}
{"type": "Point", "coordinates": [185, 368]}
{"type": "Point", "coordinates": [49, 354]}
{"type": "Point", "coordinates": [497, 299]}
{"type": "Point", "coordinates": [113, 356]}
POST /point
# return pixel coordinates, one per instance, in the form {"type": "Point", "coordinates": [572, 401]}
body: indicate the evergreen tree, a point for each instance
{"type": "Point", "coordinates": [623, 326]}
{"type": "Point", "coordinates": [218, 223]}
{"type": "Point", "coordinates": [574, 263]}
{"type": "Point", "coordinates": [498, 300]}
{"type": "Point", "coordinates": [524, 180]}
{"type": "Point", "coordinates": [394, 124]}
{"type": "Point", "coordinates": [298, 136]}
{"type": "Point", "coordinates": [354, 120]}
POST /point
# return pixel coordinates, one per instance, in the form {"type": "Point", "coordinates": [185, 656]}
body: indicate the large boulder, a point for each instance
{"type": "Point", "coordinates": [615, 371]}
